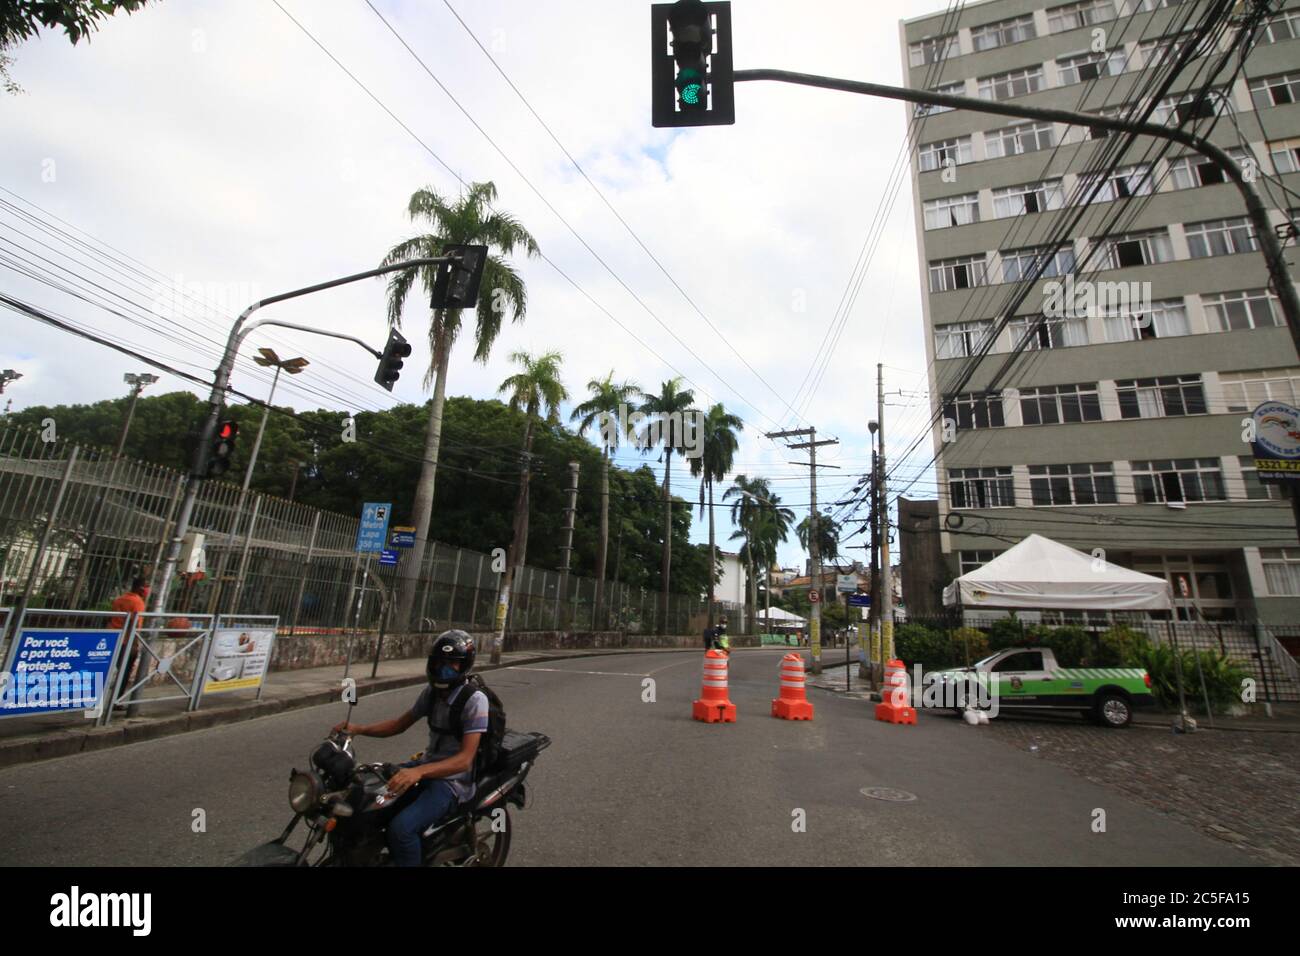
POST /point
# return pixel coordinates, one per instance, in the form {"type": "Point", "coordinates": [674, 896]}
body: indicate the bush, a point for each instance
{"type": "Point", "coordinates": [918, 644]}
{"type": "Point", "coordinates": [1072, 646]}
{"type": "Point", "coordinates": [1119, 647]}
{"type": "Point", "coordinates": [1223, 676]}
{"type": "Point", "coordinates": [970, 641]}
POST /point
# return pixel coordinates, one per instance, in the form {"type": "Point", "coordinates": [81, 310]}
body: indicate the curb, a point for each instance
{"type": "Point", "coordinates": [66, 742]}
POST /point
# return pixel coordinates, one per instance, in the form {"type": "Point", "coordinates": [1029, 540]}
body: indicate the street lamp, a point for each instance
{"type": "Point", "coordinates": [7, 376]}
{"type": "Point", "coordinates": [138, 384]}
{"type": "Point", "coordinates": [268, 359]}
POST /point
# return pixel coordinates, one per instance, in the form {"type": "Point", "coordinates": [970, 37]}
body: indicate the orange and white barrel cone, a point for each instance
{"type": "Point", "coordinates": [793, 704]}
{"type": "Point", "coordinates": [894, 706]}
{"type": "Point", "coordinates": [714, 706]}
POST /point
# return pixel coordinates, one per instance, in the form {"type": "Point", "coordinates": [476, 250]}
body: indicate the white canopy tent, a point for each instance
{"type": "Point", "coordinates": [781, 615]}
{"type": "Point", "coordinates": [1042, 573]}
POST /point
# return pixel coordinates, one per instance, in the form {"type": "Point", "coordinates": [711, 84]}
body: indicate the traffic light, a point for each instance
{"type": "Point", "coordinates": [219, 452]}
{"type": "Point", "coordinates": [691, 81]}
{"type": "Point", "coordinates": [390, 363]}
{"type": "Point", "coordinates": [458, 282]}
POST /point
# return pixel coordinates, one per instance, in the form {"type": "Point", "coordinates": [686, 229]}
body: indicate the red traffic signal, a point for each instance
{"type": "Point", "coordinates": [223, 445]}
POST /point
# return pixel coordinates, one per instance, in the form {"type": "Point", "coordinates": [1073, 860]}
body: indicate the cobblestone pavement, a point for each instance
{"type": "Point", "coordinates": [1239, 787]}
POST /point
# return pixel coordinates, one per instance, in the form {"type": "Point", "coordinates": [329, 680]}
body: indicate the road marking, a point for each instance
{"type": "Point", "coordinates": [562, 670]}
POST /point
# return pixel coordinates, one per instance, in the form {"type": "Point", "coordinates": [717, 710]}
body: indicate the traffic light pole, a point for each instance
{"type": "Point", "coordinates": [1270, 246]}
{"type": "Point", "coordinates": [217, 398]}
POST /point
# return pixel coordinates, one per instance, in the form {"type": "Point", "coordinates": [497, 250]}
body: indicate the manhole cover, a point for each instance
{"type": "Point", "coordinates": [887, 793]}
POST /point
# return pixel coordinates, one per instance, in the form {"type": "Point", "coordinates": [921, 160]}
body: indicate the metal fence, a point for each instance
{"type": "Point", "coordinates": [76, 524]}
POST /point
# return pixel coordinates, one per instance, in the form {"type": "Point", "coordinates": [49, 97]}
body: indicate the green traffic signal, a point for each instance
{"type": "Point", "coordinates": [690, 87]}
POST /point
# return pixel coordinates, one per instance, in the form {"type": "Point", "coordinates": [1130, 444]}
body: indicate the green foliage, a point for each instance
{"type": "Point", "coordinates": [1223, 677]}
{"type": "Point", "coordinates": [1072, 646]}
{"type": "Point", "coordinates": [20, 20]}
{"type": "Point", "coordinates": [970, 641]}
{"type": "Point", "coordinates": [932, 648]}
{"type": "Point", "coordinates": [1118, 646]}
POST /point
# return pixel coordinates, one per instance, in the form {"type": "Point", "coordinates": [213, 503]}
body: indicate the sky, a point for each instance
{"type": "Point", "coordinates": [199, 155]}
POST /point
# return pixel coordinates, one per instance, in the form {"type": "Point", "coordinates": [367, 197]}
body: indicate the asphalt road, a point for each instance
{"type": "Point", "coordinates": [625, 783]}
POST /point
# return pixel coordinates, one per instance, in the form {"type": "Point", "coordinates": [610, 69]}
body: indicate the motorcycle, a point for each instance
{"type": "Point", "coordinates": [346, 807]}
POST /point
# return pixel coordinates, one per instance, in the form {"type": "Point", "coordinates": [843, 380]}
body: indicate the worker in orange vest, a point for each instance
{"type": "Point", "coordinates": [133, 600]}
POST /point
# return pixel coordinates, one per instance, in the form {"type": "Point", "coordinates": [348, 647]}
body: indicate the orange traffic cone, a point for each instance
{"type": "Point", "coordinates": [714, 705]}
{"type": "Point", "coordinates": [793, 704]}
{"type": "Point", "coordinates": [893, 706]}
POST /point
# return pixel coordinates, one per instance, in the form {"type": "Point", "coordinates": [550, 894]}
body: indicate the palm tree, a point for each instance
{"type": "Point", "coordinates": [470, 219]}
{"type": "Point", "coordinates": [673, 406]}
{"type": "Point", "coordinates": [718, 447]}
{"type": "Point", "coordinates": [828, 538]}
{"type": "Point", "coordinates": [536, 391]}
{"type": "Point", "coordinates": [603, 407]}
{"type": "Point", "coordinates": [773, 527]}
{"type": "Point", "coordinates": [748, 498]}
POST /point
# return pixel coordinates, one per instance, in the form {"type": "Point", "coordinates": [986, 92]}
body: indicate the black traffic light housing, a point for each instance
{"type": "Point", "coordinates": [216, 461]}
{"type": "Point", "coordinates": [457, 284]}
{"type": "Point", "coordinates": [390, 363]}
{"type": "Point", "coordinates": [691, 83]}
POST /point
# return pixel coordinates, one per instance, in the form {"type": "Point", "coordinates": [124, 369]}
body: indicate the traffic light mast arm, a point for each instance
{"type": "Point", "coordinates": [1255, 208]}
{"type": "Point", "coordinates": [217, 398]}
{"type": "Point", "coordinates": [306, 328]}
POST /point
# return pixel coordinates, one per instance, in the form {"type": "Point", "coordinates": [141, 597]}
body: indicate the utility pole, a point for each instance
{"type": "Point", "coordinates": [814, 545]}
{"type": "Point", "coordinates": [570, 514]}
{"type": "Point", "coordinates": [882, 510]}
{"type": "Point", "coordinates": [869, 642]}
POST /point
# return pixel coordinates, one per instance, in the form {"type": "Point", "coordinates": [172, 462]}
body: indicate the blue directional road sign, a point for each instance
{"type": "Point", "coordinates": [402, 537]}
{"type": "Point", "coordinates": [388, 557]}
{"type": "Point", "coordinates": [859, 600]}
{"type": "Point", "coordinates": [373, 532]}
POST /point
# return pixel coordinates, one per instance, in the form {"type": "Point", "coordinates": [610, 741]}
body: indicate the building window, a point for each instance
{"type": "Point", "coordinates": [975, 410]}
{"type": "Point", "coordinates": [1056, 404]}
{"type": "Point", "coordinates": [1285, 155]}
{"type": "Point", "coordinates": [1020, 264]}
{"type": "Point", "coordinates": [1248, 309]}
{"type": "Point", "coordinates": [1003, 33]}
{"type": "Point", "coordinates": [952, 211]}
{"type": "Point", "coordinates": [974, 560]}
{"type": "Point", "coordinates": [1257, 490]}
{"type": "Point", "coordinates": [1220, 237]}
{"type": "Point", "coordinates": [1136, 249]}
{"type": "Point", "coordinates": [1178, 479]}
{"type": "Point", "coordinates": [1120, 183]}
{"type": "Point", "coordinates": [1168, 49]}
{"type": "Point", "coordinates": [1148, 5]}
{"type": "Point", "coordinates": [966, 272]}
{"type": "Point", "coordinates": [1028, 198]}
{"type": "Point", "coordinates": [956, 88]}
{"type": "Point", "coordinates": [1004, 86]}
{"type": "Point", "coordinates": [1164, 397]}
{"type": "Point", "coordinates": [1275, 90]}
{"type": "Point", "coordinates": [981, 488]}
{"type": "Point", "coordinates": [1189, 172]}
{"type": "Point", "coordinates": [1021, 138]}
{"type": "Point", "coordinates": [1090, 484]}
{"type": "Point", "coordinates": [938, 154]}
{"type": "Point", "coordinates": [1246, 391]}
{"type": "Point", "coordinates": [1162, 321]}
{"type": "Point", "coordinates": [1071, 16]}
{"type": "Point", "coordinates": [1284, 26]}
{"type": "Point", "coordinates": [961, 339]}
{"type": "Point", "coordinates": [1188, 106]}
{"type": "Point", "coordinates": [1281, 570]}
{"type": "Point", "coordinates": [1036, 332]}
{"type": "Point", "coordinates": [1082, 67]}
{"type": "Point", "coordinates": [932, 49]}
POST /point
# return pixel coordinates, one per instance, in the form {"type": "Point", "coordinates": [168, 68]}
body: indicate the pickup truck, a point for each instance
{"type": "Point", "coordinates": [1029, 679]}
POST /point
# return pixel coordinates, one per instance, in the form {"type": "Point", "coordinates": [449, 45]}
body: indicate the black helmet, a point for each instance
{"type": "Point", "coordinates": [450, 647]}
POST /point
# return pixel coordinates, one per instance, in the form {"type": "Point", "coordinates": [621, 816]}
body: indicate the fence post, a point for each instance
{"type": "Point", "coordinates": [25, 598]}
{"type": "Point", "coordinates": [166, 530]}
{"type": "Point", "coordinates": [428, 584]}
{"type": "Point", "coordinates": [473, 604]}
{"type": "Point", "coordinates": [302, 582]}
{"type": "Point", "coordinates": [243, 557]}
{"type": "Point", "coordinates": [455, 583]}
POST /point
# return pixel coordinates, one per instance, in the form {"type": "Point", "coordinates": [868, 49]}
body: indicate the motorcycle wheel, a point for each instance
{"type": "Point", "coordinates": [491, 846]}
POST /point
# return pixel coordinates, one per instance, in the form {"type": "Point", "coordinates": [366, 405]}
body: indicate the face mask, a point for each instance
{"type": "Point", "coordinates": [447, 673]}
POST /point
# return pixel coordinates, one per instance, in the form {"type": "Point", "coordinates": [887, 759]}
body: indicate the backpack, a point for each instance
{"type": "Point", "coordinates": [489, 748]}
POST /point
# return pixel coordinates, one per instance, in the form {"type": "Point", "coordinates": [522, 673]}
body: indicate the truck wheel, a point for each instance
{"type": "Point", "coordinates": [1113, 710]}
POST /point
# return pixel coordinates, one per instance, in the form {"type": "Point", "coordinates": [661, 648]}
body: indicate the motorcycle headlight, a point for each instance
{"type": "Point", "coordinates": [304, 791]}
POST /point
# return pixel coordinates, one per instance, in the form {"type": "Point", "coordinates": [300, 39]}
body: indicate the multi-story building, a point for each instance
{"type": "Point", "coordinates": [1118, 427]}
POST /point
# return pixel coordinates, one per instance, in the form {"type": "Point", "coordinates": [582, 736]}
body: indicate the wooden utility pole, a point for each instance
{"type": "Point", "coordinates": [569, 514]}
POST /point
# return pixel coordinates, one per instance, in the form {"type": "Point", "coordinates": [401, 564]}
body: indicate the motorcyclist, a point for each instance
{"type": "Point", "coordinates": [430, 786]}
{"type": "Point", "coordinates": [716, 637]}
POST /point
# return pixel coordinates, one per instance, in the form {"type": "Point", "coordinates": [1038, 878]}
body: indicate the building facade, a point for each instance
{"type": "Point", "coordinates": [1115, 424]}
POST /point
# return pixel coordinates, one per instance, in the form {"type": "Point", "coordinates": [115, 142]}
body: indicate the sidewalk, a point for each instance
{"type": "Point", "coordinates": [28, 739]}
{"type": "Point", "coordinates": [1285, 719]}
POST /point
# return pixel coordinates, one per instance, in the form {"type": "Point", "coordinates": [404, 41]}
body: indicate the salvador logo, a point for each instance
{"type": "Point", "coordinates": [1017, 683]}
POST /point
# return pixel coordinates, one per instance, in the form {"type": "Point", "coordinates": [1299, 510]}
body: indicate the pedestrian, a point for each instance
{"type": "Point", "coordinates": [132, 601]}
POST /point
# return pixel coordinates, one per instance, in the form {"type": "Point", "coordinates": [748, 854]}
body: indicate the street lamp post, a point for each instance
{"type": "Point", "coordinates": [6, 376]}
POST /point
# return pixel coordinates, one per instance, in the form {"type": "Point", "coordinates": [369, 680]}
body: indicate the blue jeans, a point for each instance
{"type": "Point", "coordinates": [433, 801]}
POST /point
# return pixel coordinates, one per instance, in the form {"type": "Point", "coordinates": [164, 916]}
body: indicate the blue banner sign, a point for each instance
{"type": "Point", "coordinates": [859, 600]}
{"type": "Point", "coordinates": [388, 558]}
{"type": "Point", "coordinates": [373, 532]}
{"type": "Point", "coordinates": [52, 670]}
{"type": "Point", "coordinates": [402, 538]}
